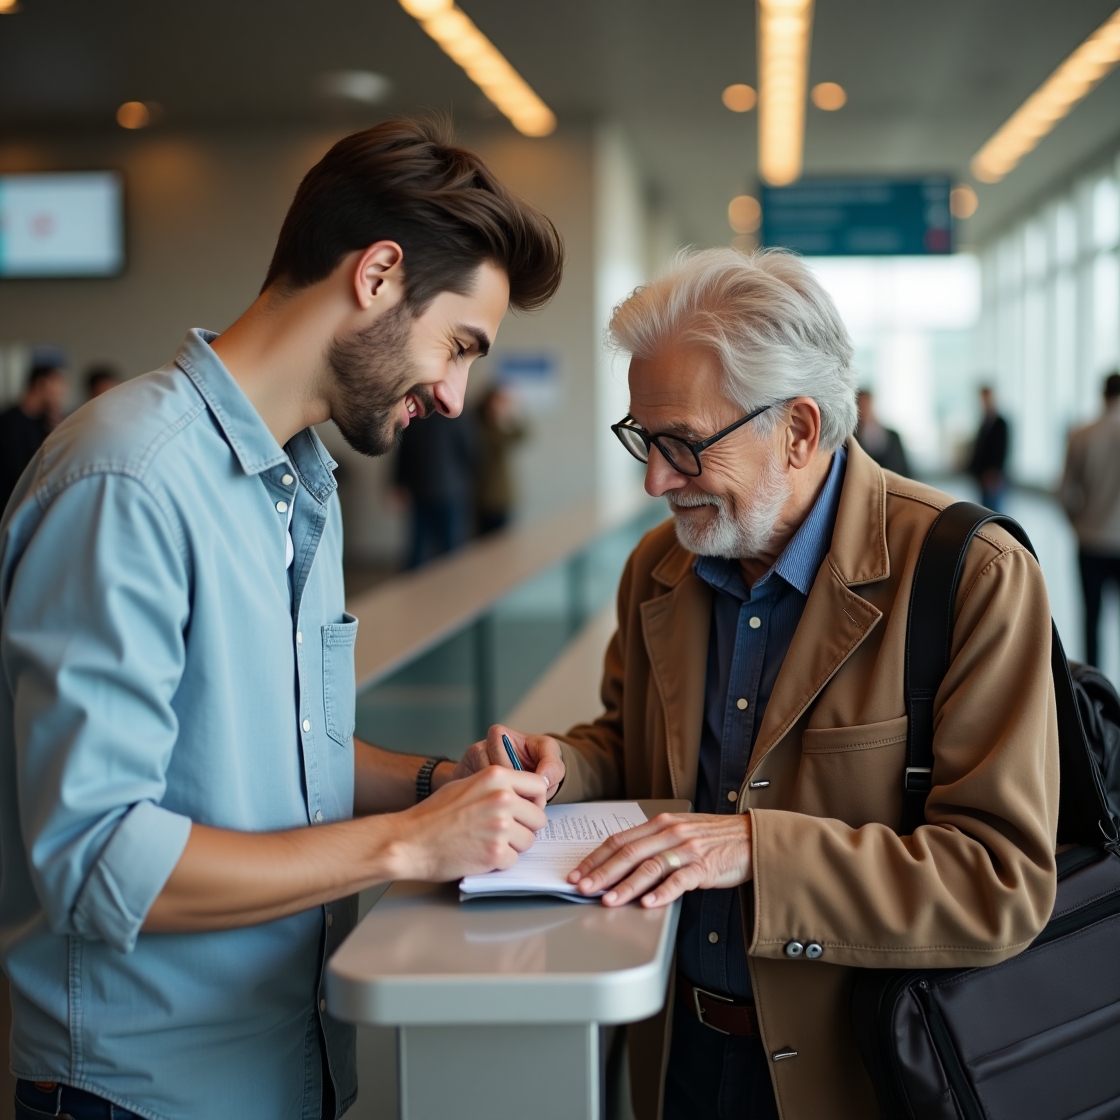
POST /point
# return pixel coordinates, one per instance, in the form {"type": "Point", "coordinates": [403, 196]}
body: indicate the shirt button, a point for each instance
{"type": "Point", "coordinates": [755, 621]}
{"type": "Point", "coordinates": [741, 704]}
{"type": "Point", "coordinates": [299, 637]}
{"type": "Point", "coordinates": [330, 920]}
{"type": "Point", "coordinates": [813, 950]}
{"type": "Point", "coordinates": [713, 937]}
{"type": "Point", "coordinates": [794, 949]}
{"type": "Point", "coordinates": [732, 795]}
{"type": "Point", "coordinates": [281, 507]}
{"type": "Point", "coordinates": [318, 816]}
{"type": "Point", "coordinates": [322, 1005]}
{"type": "Point", "coordinates": [307, 725]}
{"type": "Point", "coordinates": [287, 480]}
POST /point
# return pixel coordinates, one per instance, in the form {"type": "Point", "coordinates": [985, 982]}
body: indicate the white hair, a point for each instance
{"type": "Point", "coordinates": [775, 330]}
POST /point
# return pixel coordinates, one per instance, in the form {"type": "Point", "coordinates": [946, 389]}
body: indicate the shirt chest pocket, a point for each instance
{"type": "Point", "coordinates": [338, 678]}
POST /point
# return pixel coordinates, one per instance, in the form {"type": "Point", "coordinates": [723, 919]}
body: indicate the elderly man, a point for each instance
{"type": "Point", "coordinates": [758, 671]}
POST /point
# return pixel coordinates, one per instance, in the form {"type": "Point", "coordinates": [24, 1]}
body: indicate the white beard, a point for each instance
{"type": "Point", "coordinates": [744, 537]}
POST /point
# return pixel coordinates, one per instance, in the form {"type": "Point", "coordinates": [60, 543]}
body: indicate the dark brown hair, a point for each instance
{"type": "Point", "coordinates": [405, 181]}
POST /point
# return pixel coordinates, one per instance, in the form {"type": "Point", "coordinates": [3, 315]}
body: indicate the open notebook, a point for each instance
{"type": "Point", "coordinates": [572, 832]}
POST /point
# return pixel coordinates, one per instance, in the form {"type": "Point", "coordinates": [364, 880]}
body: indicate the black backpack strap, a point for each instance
{"type": "Point", "coordinates": [1083, 816]}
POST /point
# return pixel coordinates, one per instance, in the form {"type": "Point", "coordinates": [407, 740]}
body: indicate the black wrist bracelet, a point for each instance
{"type": "Point", "coordinates": [424, 777]}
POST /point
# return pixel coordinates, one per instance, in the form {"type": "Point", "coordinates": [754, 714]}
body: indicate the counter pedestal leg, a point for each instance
{"type": "Point", "coordinates": [547, 1072]}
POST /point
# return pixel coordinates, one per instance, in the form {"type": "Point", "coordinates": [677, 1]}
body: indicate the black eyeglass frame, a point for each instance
{"type": "Point", "coordinates": [695, 446]}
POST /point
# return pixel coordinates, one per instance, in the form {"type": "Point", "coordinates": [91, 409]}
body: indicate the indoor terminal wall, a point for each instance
{"type": "Point", "coordinates": [1050, 320]}
{"type": "Point", "coordinates": [203, 211]}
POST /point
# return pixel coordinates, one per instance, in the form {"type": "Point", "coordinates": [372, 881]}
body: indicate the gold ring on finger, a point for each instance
{"type": "Point", "coordinates": [673, 860]}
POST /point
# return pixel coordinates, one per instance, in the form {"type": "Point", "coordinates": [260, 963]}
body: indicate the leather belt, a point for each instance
{"type": "Point", "coordinates": [721, 1013]}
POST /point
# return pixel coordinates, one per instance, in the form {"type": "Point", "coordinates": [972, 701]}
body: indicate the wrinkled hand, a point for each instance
{"type": "Point", "coordinates": [470, 827]}
{"type": "Point", "coordinates": [538, 753]}
{"type": "Point", "coordinates": [673, 853]}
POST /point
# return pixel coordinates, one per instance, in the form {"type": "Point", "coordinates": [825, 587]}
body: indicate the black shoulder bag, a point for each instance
{"type": "Point", "coordinates": [1036, 1036]}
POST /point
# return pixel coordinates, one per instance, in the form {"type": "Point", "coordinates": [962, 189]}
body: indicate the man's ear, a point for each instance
{"type": "Point", "coordinates": [804, 428]}
{"type": "Point", "coordinates": [379, 276]}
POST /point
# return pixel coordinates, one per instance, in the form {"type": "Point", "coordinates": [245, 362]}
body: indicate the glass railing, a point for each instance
{"type": "Point", "coordinates": [446, 697]}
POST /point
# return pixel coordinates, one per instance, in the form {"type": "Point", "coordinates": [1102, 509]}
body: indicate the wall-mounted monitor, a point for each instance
{"type": "Point", "coordinates": [63, 224]}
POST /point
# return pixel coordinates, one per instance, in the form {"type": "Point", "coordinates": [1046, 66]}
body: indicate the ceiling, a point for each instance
{"type": "Point", "coordinates": [928, 80]}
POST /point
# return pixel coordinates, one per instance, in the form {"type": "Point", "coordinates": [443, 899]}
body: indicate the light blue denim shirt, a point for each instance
{"type": "Point", "coordinates": [161, 666]}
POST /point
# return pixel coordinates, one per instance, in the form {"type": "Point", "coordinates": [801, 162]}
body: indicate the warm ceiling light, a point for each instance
{"type": "Point", "coordinates": [134, 114]}
{"type": "Point", "coordinates": [484, 64]}
{"type": "Point", "coordinates": [829, 96]}
{"type": "Point", "coordinates": [963, 201]}
{"type": "Point", "coordinates": [740, 98]}
{"type": "Point", "coordinates": [1072, 81]}
{"type": "Point", "coordinates": [9, 7]}
{"type": "Point", "coordinates": [744, 213]}
{"type": "Point", "coordinates": [783, 66]}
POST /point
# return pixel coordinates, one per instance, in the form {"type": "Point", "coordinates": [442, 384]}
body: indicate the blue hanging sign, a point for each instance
{"type": "Point", "coordinates": [846, 217]}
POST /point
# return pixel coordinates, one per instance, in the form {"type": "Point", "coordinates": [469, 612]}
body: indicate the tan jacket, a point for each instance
{"type": "Point", "coordinates": [1090, 490]}
{"type": "Point", "coordinates": [971, 887]}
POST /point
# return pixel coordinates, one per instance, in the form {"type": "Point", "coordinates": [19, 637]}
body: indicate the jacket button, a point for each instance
{"type": "Point", "coordinates": [814, 950]}
{"type": "Point", "coordinates": [794, 949]}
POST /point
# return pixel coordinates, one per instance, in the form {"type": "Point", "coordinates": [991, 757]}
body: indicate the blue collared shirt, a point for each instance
{"type": "Point", "coordinates": [161, 666]}
{"type": "Point", "coordinates": [750, 635]}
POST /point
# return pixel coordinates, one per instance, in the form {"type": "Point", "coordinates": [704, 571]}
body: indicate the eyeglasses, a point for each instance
{"type": "Point", "coordinates": [681, 454]}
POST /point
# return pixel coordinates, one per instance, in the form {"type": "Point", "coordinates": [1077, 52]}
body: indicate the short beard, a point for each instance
{"type": "Point", "coordinates": [373, 372]}
{"type": "Point", "coordinates": [734, 536]}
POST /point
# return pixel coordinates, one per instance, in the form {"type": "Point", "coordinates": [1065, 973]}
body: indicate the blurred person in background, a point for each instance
{"type": "Point", "coordinates": [499, 431]}
{"type": "Point", "coordinates": [436, 467]}
{"type": "Point", "coordinates": [1090, 495]}
{"type": "Point", "coordinates": [884, 445]}
{"type": "Point", "coordinates": [989, 452]}
{"type": "Point", "coordinates": [100, 379]}
{"type": "Point", "coordinates": [28, 422]}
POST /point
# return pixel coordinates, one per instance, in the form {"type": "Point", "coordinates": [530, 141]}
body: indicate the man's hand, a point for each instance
{"type": "Point", "coordinates": [472, 826]}
{"type": "Point", "coordinates": [538, 753]}
{"type": "Point", "coordinates": [227, 879]}
{"type": "Point", "coordinates": [674, 853]}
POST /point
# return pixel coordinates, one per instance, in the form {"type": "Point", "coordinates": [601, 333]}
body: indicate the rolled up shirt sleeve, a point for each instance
{"type": "Point", "coordinates": [93, 646]}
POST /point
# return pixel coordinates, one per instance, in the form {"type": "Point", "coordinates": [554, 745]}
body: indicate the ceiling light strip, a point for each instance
{"type": "Point", "coordinates": [784, 28]}
{"type": "Point", "coordinates": [1053, 100]}
{"type": "Point", "coordinates": [484, 64]}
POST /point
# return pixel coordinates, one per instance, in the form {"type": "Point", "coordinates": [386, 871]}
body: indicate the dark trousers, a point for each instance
{"type": "Point", "coordinates": [438, 526]}
{"type": "Point", "coordinates": [490, 521]}
{"type": "Point", "coordinates": [714, 1076]}
{"type": "Point", "coordinates": [34, 1100]}
{"type": "Point", "coordinates": [1097, 569]}
{"type": "Point", "coordinates": [995, 500]}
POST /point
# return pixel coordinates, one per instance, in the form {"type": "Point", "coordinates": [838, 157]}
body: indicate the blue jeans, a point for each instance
{"type": "Point", "coordinates": [34, 1101]}
{"type": "Point", "coordinates": [714, 1076]}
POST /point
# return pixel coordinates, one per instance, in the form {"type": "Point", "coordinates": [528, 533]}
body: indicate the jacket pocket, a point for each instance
{"type": "Point", "coordinates": [338, 678]}
{"type": "Point", "coordinates": [853, 774]}
{"type": "Point", "coordinates": [861, 737]}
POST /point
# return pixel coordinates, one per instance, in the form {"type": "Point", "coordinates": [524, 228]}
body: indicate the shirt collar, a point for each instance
{"type": "Point", "coordinates": [802, 557]}
{"type": "Point", "coordinates": [244, 429]}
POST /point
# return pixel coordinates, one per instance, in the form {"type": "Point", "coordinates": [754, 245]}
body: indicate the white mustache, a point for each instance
{"type": "Point", "coordinates": [693, 501]}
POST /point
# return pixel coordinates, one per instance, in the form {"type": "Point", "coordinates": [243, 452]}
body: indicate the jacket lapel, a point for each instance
{"type": "Point", "coordinates": [835, 620]}
{"type": "Point", "coordinates": [675, 627]}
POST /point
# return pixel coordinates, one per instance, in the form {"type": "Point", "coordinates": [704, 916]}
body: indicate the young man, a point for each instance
{"type": "Point", "coordinates": [177, 768]}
